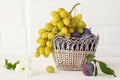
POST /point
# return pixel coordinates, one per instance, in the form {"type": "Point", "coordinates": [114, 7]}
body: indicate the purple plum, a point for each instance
{"type": "Point", "coordinates": [88, 69]}
{"type": "Point", "coordinates": [76, 34]}
{"type": "Point", "coordinates": [87, 31]}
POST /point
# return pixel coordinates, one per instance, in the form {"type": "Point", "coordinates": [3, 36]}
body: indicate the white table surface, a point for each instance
{"type": "Point", "coordinates": [39, 73]}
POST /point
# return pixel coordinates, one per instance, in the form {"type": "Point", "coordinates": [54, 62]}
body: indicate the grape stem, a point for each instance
{"type": "Point", "coordinates": [74, 7]}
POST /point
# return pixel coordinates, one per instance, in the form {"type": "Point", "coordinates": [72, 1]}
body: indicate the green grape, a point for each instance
{"type": "Point", "coordinates": [64, 30]}
{"type": "Point", "coordinates": [42, 50]}
{"type": "Point", "coordinates": [60, 33]}
{"type": "Point", "coordinates": [71, 29]}
{"type": "Point", "coordinates": [47, 51]}
{"type": "Point", "coordinates": [60, 25]}
{"type": "Point", "coordinates": [48, 26]}
{"type": "Point", "coordinates": [51, 35]}
{"type": "Point", "coordinates": [41, 31]}
{"type": "Point", "coordinates": [54, 23]}
{"type": "Point", "coordinates": [45, 35]}
{"type": "Point", "coordinates": [37, 54]}
{"type": "Point", "coordinates": [68, 35]}
{"type": "Point", "coordinates": [64, 14]}
{"type": "Point", "coordinates": [56, 18]}
{"type": "Point", "coordinates": [42, 42]}
{"type": "Point", "coordinates": [81, 24]}
{"type": "Point", "coordinates": [53, 13]}
{"type": "Point", "coordinates": [78, 17]}
{"type": "Point", "coordinates": [66, 21]}
{"type": "Point", "coordinates": [50, 69]}
{"type": "Point", "coordinates": [55, 30]}
{"type": "Point", "coordinates": [73, 22]}
{"type": "Point", "coordinates": [49, 43]}
{"type": "Point", "coordinates": [80, 30]}
{"type": "Point", "coordinates": [38, 39]}
{"type": "Point", "coordinates": [60, 10]}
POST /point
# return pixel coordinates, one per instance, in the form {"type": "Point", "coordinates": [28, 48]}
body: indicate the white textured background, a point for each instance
{"type": "Point", "coordinates": [21, 19]}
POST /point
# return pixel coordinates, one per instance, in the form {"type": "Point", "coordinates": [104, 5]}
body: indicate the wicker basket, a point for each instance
{"type": "Point", "coordinates": [69, 54]}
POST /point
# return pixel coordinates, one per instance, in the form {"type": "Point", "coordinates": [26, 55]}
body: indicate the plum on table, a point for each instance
{"type": "Point", "coordinates": [88, 69]}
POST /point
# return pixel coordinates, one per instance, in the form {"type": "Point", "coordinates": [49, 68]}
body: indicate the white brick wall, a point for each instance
{"type": "Point", "coordinates": [21, 19]}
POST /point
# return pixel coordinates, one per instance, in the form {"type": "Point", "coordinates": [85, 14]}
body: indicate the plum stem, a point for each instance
{"type": "Point", "coordinates": [74, 7]}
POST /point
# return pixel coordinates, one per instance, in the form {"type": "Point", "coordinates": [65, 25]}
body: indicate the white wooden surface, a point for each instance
{"type": "Point", "coordinates": [39, 72]}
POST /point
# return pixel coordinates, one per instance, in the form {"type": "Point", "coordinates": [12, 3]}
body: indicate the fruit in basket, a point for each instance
{"type": "Point", "coordinates": [48, 26]}
{"type": "Point", "coordinates": [55, 30]}
{"type": "Point", "coordinates": [42, 50]}
{"type": "Point", "coordinates": [80, 30]}
{"type": "Point", "coordinates": [53, 13]}
{"type": "Point", "coordinates": [41, 31]}
{"type": "Point", "coordinates": [87, 31]}
{"type": "Point", "coordinates": [50, 69]}
{"type": "Point", "coordinates": [88, 69]}
{"type": "Point", "coordinates": [42, 42]}
{"type": "Point", "coordinates": [49, 43]}
{"type": "Point", "coordinates": [64, 30]}
{"type": "Point", "coordinates": [47, 51]}
{"type": "Point", "coordinates": [51, 35]}
{"type": "Point", "coordinates": [56, 18]}
{"type": "Point", "coordinates": [45, 35]}
{"type": "Point", "coordinates": [64, 14]}
{"type": "Point", "coordinates": [66, 21]}
{"type": "Point", "coordinates": [60, 25]}
{"type": "Point", "coordinates": [76, 34]}
{"type": "Point", "coordinates": [81, 24]}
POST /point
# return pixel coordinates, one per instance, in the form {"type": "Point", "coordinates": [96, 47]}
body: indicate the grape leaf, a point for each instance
{"type": "Point", "coordinates": [105, 69]}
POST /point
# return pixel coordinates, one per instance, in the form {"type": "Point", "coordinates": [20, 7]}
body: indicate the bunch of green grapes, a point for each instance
{"type": "Point", "coordinates": [45, 40]}
{"type": "Point", "coordinates": [62, 24]}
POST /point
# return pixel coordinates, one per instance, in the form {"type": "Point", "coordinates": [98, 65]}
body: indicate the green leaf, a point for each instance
{"type": "Point", "coordinates": [15, 64]}
{"type": "Point", "coordinates": [90, 57]}
{"type": "Point", "coordinates": [105, 69]}
{"type": "Point", "coordinates": [9, 65]}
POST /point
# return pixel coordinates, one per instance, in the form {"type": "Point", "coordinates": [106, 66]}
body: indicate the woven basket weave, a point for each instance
{"type": "Point", "coordinates": [69, 54]}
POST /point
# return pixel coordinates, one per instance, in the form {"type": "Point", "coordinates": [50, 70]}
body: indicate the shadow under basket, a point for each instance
{"type": "Point", "coordinates": [69, 53]}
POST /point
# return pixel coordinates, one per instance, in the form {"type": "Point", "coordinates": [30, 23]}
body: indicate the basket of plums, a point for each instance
{"type": "Point", "coordinates": [68, 38]}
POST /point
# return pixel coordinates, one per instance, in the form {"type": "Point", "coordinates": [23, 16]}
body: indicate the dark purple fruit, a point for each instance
{"type": "Point", "coordinates": [87, 31]}
{"type": "Point", "coordinates": [83, 35]}
{"type": "Point", "coordinates": [76, 34]}
{"type": "Point", "coordinates": [88, 69]}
